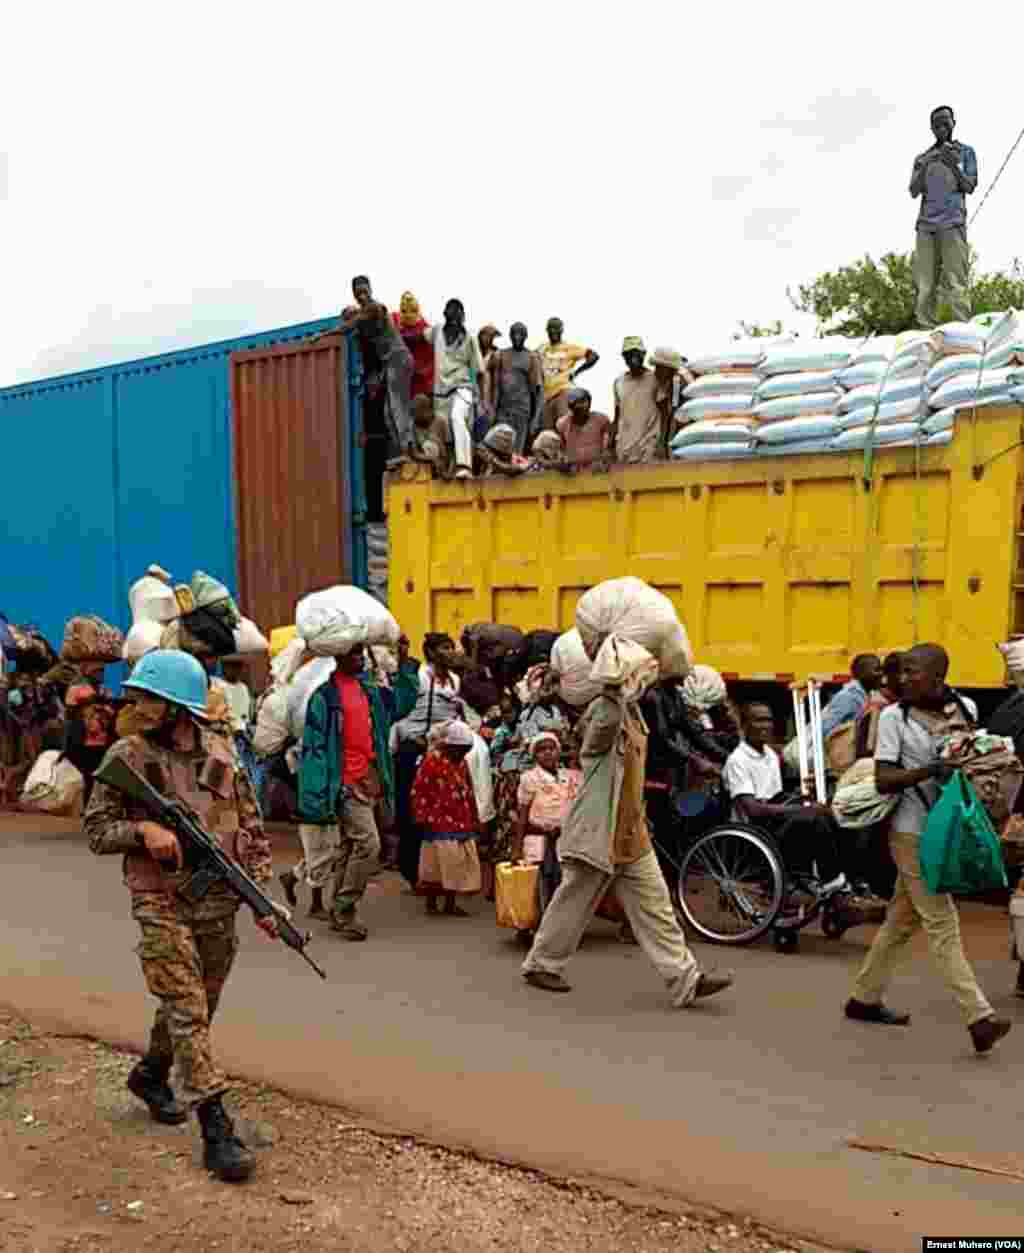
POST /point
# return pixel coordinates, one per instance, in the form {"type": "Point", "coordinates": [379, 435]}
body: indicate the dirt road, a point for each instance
{"type": "Point", "coordinates": [746, 1104]}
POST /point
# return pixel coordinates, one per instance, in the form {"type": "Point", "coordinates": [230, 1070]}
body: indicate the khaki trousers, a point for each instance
{"type": "Point", "coordinates": [641, 890]}
{"type": "Point", "coordinates": [911, 908]}
{"type": "Point", "coordinates": [940, 275]}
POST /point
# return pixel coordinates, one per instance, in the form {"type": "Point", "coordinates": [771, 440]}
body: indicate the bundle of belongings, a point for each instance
{"type": "Point", "coordinates": [200, 618]}
{"type": "Point", "coordinates": [633, 610]}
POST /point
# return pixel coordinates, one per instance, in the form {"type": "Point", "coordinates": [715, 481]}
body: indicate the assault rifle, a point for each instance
{"type": "Point", "coordinates": [202, 854]}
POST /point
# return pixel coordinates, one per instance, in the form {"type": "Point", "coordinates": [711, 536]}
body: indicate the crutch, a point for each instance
{"type": "Point", "coordinates": [817, 740]}
{"type": "Point", "coordinates": [800, 721]}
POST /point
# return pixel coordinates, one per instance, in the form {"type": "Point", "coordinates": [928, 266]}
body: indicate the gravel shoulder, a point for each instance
{"type": "Point", "coordinates": [85, 1171]}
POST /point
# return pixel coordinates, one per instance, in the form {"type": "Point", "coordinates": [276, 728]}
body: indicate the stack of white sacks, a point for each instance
{"type": "Point", "coordinates": [780, 396]}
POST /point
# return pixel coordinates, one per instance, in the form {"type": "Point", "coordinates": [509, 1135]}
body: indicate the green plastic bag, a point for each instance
{"type": "Point", "coordinates": [960, 851]}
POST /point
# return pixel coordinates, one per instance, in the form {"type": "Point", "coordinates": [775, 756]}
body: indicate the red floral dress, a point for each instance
{"type": "Point", "coordinates": [444, 805]}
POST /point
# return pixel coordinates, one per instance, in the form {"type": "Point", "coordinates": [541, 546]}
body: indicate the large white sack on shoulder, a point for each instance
{"type": "Point", "coordinates": [737, 403]}
{"type": "Point", "coordinates": [714, 431]}
{"type": "Point", "coordinates": [271, 731]}
{"type": "Point", "coordinates": [796, 385]}
{"type": "Point", "coordinates": [632, 608]}
{"type": "Point", "coordinates": [892, 433]}
{"type": "Point", "coordinates": [152, 600]}
{"type": "Point", "coordinates": [143, 637]}
{"type": "Point", "coordinates": [331, 622]}
{"type": "Point", "coordinates": [912, 387]}
{"type": "Point", "coordinates": [899, 411]}
{"type": "Point", "coordinates": [721, 385]}
{"type": "Point", "coordinates": [731, 451]}
{"type": "Point", "coordinates": [570, 662]}
{"type": "Point", "coordinates": [791, 430]}
{"type": "Point", "coordinates": [311, 676]}
{"type": "Point", "coordinates": [53, 785]}
{"type": "Point", "coordinates": [966, 387]}
{"type": "Point", "coordinates": [249, 640]}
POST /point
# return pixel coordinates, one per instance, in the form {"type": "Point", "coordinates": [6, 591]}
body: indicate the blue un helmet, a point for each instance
{"type": "Point", "coordinates": [173, 676]}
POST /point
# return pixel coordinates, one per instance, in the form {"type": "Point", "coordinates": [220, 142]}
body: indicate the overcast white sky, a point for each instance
{"type": "Point", "coordinates": [171, 175]}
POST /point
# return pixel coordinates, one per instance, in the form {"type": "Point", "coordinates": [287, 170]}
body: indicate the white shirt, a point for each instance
{"type": "Point", "coordinates": [750, 773]}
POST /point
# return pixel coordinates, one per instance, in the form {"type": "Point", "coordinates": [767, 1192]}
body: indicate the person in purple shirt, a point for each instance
{"type": "Point", "coordinates": [943, 178]}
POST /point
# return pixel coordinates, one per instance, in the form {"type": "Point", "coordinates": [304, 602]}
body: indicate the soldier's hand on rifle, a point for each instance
{"type": "Point", "coordinates": [268, 925]}
{"type": "Point", "coordinates": [161, 844]}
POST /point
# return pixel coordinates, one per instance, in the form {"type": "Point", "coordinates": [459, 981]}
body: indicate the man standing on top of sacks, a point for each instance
{"type": "Point", "coordinates": [606, 840]}
{"type": "Point", "coordinates": [943, 178]}
{"type": "Point", "coordinates": [344, 771]}
{"type": "Point", "coordinates": [187, 949]}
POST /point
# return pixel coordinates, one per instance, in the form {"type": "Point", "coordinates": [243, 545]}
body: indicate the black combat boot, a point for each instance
{"type": "Point", "coordinates": [148, 1081]}
{"type": "Point", "coordinates": [224, 1155]}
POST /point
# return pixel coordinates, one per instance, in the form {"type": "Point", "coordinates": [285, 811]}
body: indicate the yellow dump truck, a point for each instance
{"type": "Point", "coordinates": [780, 567]}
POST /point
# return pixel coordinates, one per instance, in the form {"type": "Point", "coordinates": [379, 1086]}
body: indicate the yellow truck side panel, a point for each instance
{"type": "Point", "coordinates": [786, 565]}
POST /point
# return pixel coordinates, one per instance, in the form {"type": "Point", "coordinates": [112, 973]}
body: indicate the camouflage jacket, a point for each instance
{"type": "Point", "coordinates": [207, 781]}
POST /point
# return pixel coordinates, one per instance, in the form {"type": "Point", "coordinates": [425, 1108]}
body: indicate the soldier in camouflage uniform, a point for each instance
{"type": "Point", "coordinates": [186, 950]}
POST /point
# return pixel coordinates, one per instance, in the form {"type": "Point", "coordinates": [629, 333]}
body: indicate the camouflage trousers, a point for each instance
{"type": "Point", "coordinates": [186, 954]}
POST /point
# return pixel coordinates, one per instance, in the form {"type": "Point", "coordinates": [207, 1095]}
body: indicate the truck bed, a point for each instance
{"type": "Point", "coordinates": [780, 569]}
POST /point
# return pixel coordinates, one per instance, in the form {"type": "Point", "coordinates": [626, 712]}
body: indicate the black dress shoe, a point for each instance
{"type": "Point", "coordinates": [988, 1032]}
{"type": "Point", "coordinates": [861, 1012]}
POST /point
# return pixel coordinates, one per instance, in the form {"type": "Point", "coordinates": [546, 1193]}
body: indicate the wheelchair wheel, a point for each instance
{"type": "Point", "coordinates": [731, 884]}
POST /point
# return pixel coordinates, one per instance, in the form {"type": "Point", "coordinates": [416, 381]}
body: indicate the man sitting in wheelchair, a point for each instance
{"type": "Point", "coordinates": [818, 855]}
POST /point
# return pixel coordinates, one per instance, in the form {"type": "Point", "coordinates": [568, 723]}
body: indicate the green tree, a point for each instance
{"type": "Point", "coordinates": [757, 330]}
{"type": "Point", "coordinates": [877, 297]}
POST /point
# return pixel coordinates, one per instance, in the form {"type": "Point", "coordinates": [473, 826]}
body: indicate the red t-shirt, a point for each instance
{"type": "Point", "coordinates": [357, 729]}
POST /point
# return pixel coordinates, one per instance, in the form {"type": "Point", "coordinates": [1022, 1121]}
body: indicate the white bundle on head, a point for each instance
{"type": "Point", "coordinates": [454, 734]}
{"type": "Point", "coordinates": [632, 609]}
{"type": "Point", "coordinates": [703, 688]}
{"type": "Point", "coordinates": [624, 664]}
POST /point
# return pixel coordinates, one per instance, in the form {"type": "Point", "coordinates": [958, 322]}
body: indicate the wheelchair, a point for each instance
{"type": "Point", "coordinates": [728, 879]}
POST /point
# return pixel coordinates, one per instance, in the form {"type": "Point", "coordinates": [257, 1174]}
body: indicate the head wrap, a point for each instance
{"type": "Point", "coordinates": [624, 664]}
{"type": "Point", "coordinates": [548, 446]}
{"type": "Point", "coordinates": [667, 357]}
{"type": "Point", "coordinates": [501, 439]}
{"type": "Point", "coordinates": [542, 738]}
{"type": "Point", "coordinates": [410, 312]}
{"type": "Point", "coordinates": [633, 343]}
{"type": "Point", "coordinates": [454, 734]}
{"type": "Point", "coordinates": [703, 688]}
{"type": "Point", "coordinates": [576, 394]}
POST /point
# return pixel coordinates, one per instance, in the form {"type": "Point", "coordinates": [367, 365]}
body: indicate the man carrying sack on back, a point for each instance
{"type": "Point", "coordinates": [605, 840]}
{"type": "Point", "coordinates": [907, 762]}
{"type": "Point", "coordinates": [344, 771]}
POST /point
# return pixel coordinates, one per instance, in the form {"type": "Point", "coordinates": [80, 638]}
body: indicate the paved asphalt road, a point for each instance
{"type": "Point", "coordinates": [746, 1103]}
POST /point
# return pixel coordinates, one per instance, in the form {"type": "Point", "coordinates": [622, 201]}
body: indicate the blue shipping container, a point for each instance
{"type": "Point", "coordinates": [109, 470]}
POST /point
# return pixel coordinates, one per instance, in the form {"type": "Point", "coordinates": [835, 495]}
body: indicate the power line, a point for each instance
{"type": "Point", "coordinates": [991, 185]}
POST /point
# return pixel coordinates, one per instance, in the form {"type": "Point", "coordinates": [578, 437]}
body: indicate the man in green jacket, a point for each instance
{"type": "Point", "coordinates": [344, 771]}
